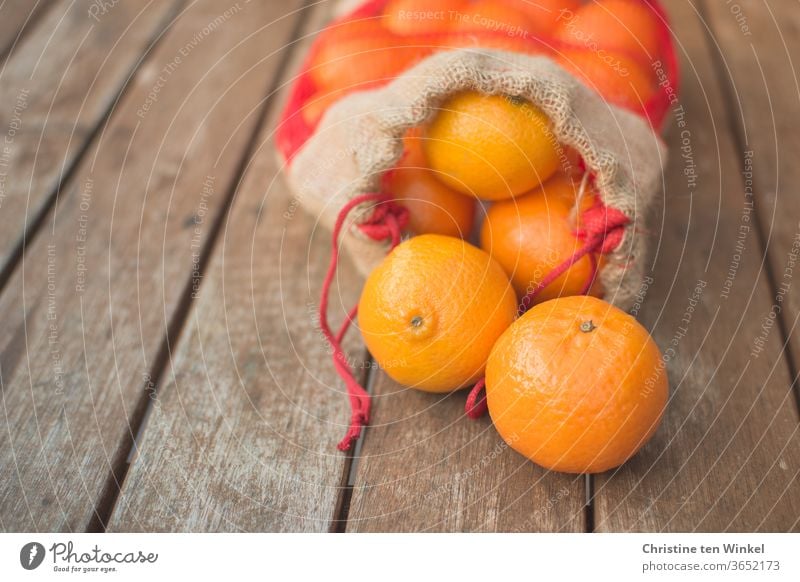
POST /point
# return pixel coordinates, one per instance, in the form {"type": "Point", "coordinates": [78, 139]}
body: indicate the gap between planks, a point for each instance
{"type": "Point", "coordinates": [144, 406]}
{"type": "Point", "coordinates": [30, 230]}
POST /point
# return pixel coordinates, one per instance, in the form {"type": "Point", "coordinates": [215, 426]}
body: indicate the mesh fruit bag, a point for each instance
{"type": "Point", "coordinates": [387, 67]}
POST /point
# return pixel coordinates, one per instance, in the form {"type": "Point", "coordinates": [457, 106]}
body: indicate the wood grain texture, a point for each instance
{"type": "Point", "coordinates": [56, 87]}
{"type": "Point", "coordinates": [78, 346]}
{"type": "Point", "coordinates": [243, 434]}
{"type": "Point", "coordinates": [425, 466]}
{"type": "Point", "coordinates": [16, 19]}
{"type": "Point", "coordinates": [756, 49]}
{"type": "Point", "coordinates": [726, 457]}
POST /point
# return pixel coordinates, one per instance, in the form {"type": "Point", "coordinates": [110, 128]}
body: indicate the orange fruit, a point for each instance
{"type": "Point", "coordinates": [618, 79]}
{"type": "Point", "coordinates": [532, 234]}
{"type": "Point", "coordinates": [491, 146]}
{"type": "Point", "coordinates": [498, 17]}
{"type": "Point", "coordinates": [421, 16]}
{"type": "Point", "coordinates": [576, 385]}
{"type": "Point", "coordinates": [315, 107]}
{"type": "Point", "coordinates": [544, 14]}
{"type": "Point", "coordinates": [517, 44]}
{"type": "Point", "coordinates": [617, 25]}
{"type": "Point", "coordinates": [362, 62]}
{"type": "Point", "coordinates": [433, 207]}
{"type": "Point", "coordinates": [432, 310]}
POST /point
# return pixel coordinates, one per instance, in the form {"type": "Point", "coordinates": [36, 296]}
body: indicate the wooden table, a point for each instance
{"type": "Point", "coordinates": [160, 363]}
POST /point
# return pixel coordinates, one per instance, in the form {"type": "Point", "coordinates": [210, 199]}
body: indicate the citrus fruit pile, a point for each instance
{"type": "Point", "coordinates": [609, 44]}
{"type": "Point", "coordinates": [572, 382]}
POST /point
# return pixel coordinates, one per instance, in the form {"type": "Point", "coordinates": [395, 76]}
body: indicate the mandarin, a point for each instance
{"type": "Point", "coordinates": [433, 207]}
{"type": "Point", "coordinates": [421, 16]}
{"type": "Point", "coordinates": [618, 79]}
{"type": "Point", "coordinates": [363, 62]}
{"type": "Point", "coordinates": [431, 311]}
{"type": "Point", "coordinates": [619, 25]}
{"type": "Point", "coordinates": [576, 385]}
{"type": "Point", "coordinates": [545, 14]}
{"type": "Point", "coordinates": [532, 234]}
{"type": "Point", "coordinates": [498, 17]}
{"type": "Point", "coordinates": [491, 146]}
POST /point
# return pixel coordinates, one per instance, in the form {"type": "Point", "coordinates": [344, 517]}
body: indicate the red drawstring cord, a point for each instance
{"type": "Point", "coordinates": [387, 222]}
{"type": "Point", "coordinates": [602, 229]}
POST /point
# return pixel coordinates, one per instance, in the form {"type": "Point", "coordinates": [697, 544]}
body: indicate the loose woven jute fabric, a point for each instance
{"type": "Point", "coordinates": [360, 138]}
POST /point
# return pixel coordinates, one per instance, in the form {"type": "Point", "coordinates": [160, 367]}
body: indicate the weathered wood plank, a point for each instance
{"type": "Point", "coordinates": [757, 44]}
{"type": "Point", "coordinates": [78, 346]}
{"type": "Point", "coordinates": [58, 85]}
{"type": "Point", "coordinates": [425, 466]}
{"type": "Point", "coordinates": [726, 457]}
{"type": "Point", "coordinates": [243, 435]}
{"type": "Point", "coordinates": [15, 17]}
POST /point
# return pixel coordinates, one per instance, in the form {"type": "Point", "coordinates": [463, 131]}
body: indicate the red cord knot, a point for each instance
{"type": "Point", "coordinates": [604, 223]}
{"type": "Point", "coordinates": [386, 221]}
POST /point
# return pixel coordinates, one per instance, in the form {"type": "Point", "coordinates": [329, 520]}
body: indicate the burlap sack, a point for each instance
{"type": "Point", "coordinates": [359, 139]}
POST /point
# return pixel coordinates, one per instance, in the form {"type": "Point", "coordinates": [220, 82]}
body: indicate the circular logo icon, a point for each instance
{"type": "Point", "coordinates": [31, 555]}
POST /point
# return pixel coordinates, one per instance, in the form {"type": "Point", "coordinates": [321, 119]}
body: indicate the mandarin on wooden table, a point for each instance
{"type": "Point", "coordinates": [432, 310]}
{"type": "Point", "coordinates": [576, 385]}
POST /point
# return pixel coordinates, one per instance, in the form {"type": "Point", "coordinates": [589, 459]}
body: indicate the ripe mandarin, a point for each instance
{"type": "Point", "coordinates": [493, 16]}
{"type": "Point", "coordinates": [432, 310]}
{"type": "Point", "coordinates": [422, 16]}
{"type": "Point", "coordinates": [433, 207]}
{"type": "Point", "coordinates": [618, 79]}
{"type": "Point", "coordinates": [532, 234]}
{"type": "Point", "coordinates": [363, 62]}
{"type": "Point", "coordinates": [491, 146]}
{"type": "Point", "coordinates": [620, 25]}
{"type": "Point", "coordinates": [576, 385]}
{"type": "Point", "coordinates": [545, 14]}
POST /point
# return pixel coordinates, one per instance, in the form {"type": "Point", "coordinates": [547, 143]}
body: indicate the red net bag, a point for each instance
{"type": "Point", "coordinates": [384, 69]}
{"type": "Point", "coordinates": [604, 74]}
